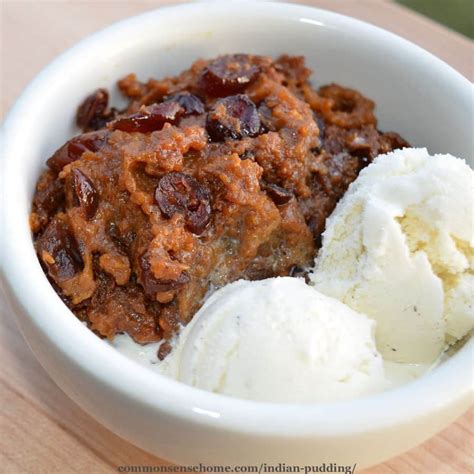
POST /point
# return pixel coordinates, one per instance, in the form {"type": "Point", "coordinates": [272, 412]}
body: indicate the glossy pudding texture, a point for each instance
{"type": "Point", "coordinates": [227, 171]}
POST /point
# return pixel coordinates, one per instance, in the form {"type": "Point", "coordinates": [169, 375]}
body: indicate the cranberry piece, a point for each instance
{"type": "Point", "coordinates": [228, 75]}
{"type": "Point", "coordinates": [152, 118]}
{"type": "Point", "coordinates": [191, 104]}
{"type": "Point", "coordinates": [164, 349]}
{"type": "Point", "coordinates": [153, 285]}
{"type": "Point", "coordinates": [179, 192]}
{"type": "Point", "coordinates": [233, 117]}
{"type": "Point", "coordinates": [91, 112]}
{"type": "Point", "coordinates": [59, 251]}
{"type": "Point", "coordinates": [277, 194]}
{"type": "Point", "coordinates": [363, 162]}
{"type": "Point", "coordinates": [100, 122]}
{"type": "Point", "coordinates": [359, 145]}
{"type": "Point", "coordinates": [74, 148]}
{"type": "Point", "coordinates": [123, 242]}
{"type": "Point", "coordinates": [51, 198]}
{"type": "Point", "coordinates": [86, 194]}
{"type": "Point", "coordinates": [395, 140]}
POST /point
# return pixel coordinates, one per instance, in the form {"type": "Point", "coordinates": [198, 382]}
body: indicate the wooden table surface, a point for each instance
{"type": "Point", "coordinates": [41, 430]}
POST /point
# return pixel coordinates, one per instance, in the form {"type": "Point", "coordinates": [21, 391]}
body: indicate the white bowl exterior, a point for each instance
{"type": "Point", "coordinates": [416, 94]}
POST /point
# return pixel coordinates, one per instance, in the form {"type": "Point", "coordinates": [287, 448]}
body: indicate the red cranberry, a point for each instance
{"type": "Point", "coordinates": [191, 104]}
{"type": "Point", "coordinates": [164, 349]}
{"type": "Point", "coordinates": [151, 119]}
{"type": "Point", "coordinates": [233, 117]}
{"type": "Point", "coordinates": [179, 192]}
{"type": "Point", "coordinates": [74, 148]}
{"type": "Point", "coordinates": [228, 75]}
{"type": "Point", "coordinates": [86, 194]}
{"type": "Point", "coordinates": [58, 242]}
{"type": "Point", "coordinates": [123, 242]}
{"type": "Point", "coordinates": [277, 194]}
{"type": "Point", "coordinates": [91, 112]}
{"type": "Point", "coordinates": [153, 285]}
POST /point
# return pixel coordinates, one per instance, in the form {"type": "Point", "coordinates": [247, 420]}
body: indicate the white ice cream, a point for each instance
{"type": "Point", "coordinates": [277, 340]}
{"type": "Point", "coordinates": [399, 248]}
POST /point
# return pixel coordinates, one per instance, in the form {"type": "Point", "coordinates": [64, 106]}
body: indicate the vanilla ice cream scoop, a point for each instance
{"type": "Point", "coordinates": [277, 340]}
{"type": "Point", "coordinates": [399, 248]}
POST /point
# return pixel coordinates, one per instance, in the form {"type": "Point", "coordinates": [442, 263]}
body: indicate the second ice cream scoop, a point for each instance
{"type": "Point", "coordinates": [277, 340]}
{"type": "Point", "coordinates": [400, 248]}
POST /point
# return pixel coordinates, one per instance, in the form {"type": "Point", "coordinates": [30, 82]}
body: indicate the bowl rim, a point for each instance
{"type": "Point", "coordinates": [23, 276]}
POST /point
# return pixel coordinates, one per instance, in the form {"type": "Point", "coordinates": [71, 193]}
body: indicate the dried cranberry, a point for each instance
{"type": "Point", "coordinates": [153, 285]}
{"type": "Point", "coordinates": [85, 192]}
{"type": "Point", "coordinates": [233, 117]}
{"type": "Point", "coordinates": [164, 349]}
{"type": "Point", "coordinates": [191, 104]}
{"type": "Point", "coordinates": [277, 194]}
{"type": "Point", "coordinates": [51, 198]}
{"type": "Point", "coordinates": [74, 148]}
{"type": "Point", "coordinates": [123, 242]}
{"type": "Point", "coordinates": [359, 146]}
{"type": "Point", "coordinates": [59, 251]}
{"type": "Point", "coordinates": [100, 122]}
{"type": "Point", "coordinates": [395, 140]}
{"type": "Point", "coordinates": [92, 110]}
{"type": "Point", "coordinates": [363, 161]}
{"type": "Point", "coordinates": [152, 118]}
{"type": "Point", "coordinates": [179, 192]}
{"type": "Point", "coordinates": [228, 75]}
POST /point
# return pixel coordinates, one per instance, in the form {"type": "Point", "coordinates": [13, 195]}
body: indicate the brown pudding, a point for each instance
{"type": "Point", "coordinates": [223, 172]}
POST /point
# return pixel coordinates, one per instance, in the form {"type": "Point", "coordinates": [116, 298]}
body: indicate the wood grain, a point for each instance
{"type": "Point", "coordinates": [41, 430]}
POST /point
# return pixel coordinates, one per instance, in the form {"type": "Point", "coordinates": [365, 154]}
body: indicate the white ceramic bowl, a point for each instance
{"type": "Point", "coordinates": [416, 94]}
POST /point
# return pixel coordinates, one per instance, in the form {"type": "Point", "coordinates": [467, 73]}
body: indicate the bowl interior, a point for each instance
{"type": "Point", "coordinates": [413, 97]}
{"type": "Point", "coordinates": [416, 95]}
